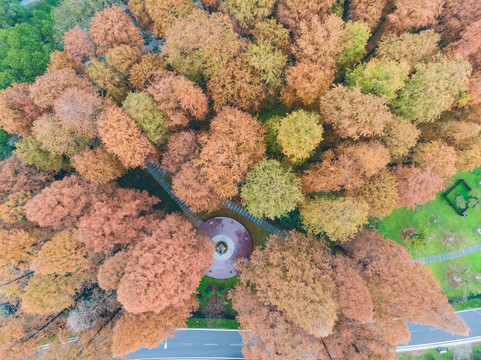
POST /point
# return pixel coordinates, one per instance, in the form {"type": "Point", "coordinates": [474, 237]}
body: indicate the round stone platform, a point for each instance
{"type": "Point", "coordinates": [231, 241]}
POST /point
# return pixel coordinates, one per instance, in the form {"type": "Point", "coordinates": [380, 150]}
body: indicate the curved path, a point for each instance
{"type": "Point", "coordinates": [227, 344]}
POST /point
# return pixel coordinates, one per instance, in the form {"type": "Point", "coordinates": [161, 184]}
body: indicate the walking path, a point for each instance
{"type": "Point", "coordinates": [160, 176]}
{"type": "Point", "coordinates": [449, 255]}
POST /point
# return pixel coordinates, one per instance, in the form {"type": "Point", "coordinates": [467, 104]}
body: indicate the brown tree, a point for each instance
{"type": "Point", "coordinates": [116, 220]}
{"type": "Point", "coordinates": [107, 79]}
{"type": "Point", "coordinates": [293, 12]}
{"type": "Point", "coordinates": [180, 99]}
{"type": "Point", "coordinates": [12, 207]}
{"type": "Point", "coordinates": [78, 45]}
{"type": "Point", "coordinates": [273, 32]}
{"type": "Point", "coordinates": [165, 268]}
{"type": "Point", "coordinates": [413, 14]}
{"type": "Point", "coordinates": [122, 57]}
{"type": "Point", "coordinates": [189, 184]}
{"type": "Point", "coordinates": [368, 10]}
{"type": "Point", "coordinates": [400, 136]}
{"type": "Point", "coordinates": [48, 87]}
{"type": "Point", "coordinates": [416, 186]}
{"type": "Point", "coordinates": [138, 9]}
{"type": "Point", "coordinates": [234, 144]}
{"type": "Point", "coordinates": [61, 60]}
{"type": "Point", "coordinates": [141, 72]}
{"type": "Point", "coordinates": [113, 27]}
{"type": "Point", "coordinates": [457, 132]}
{"type": "Point", "coordinates": [147, 329]}
{"type": "Point", "coordinates": [354, 114]}
{"type": "Point", "coordinates": [181, 148]}
{"type": "Point", "coordinates": [16, 176]}
{"type": "Point", "coordinates": [62, 255]}
{"type": "Point", "coordinates": [18, 247]}
{"type": "Point", "coordinates": [78, 110]}
{"type": "Point", "coordinates": [112, 270]}
{"type": "Point", "coordinates": [437, 156]}
{"type": "Point", "coordinates": [123, 138]}
{"type": "Point", "coordinates": [164, 13]}
{"type": "Point", "coordinates": [468, 155]}
{"type": "Point", "coordinates": [98, 165]}
{"type": "Point", "coordinates": [17, 109]}
{"type": "Point", "coordinates": [305, 296]}
{"type": "Point", "coordinates": [456, 16]}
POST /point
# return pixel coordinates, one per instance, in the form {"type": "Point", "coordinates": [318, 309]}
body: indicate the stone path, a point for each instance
{"type": "Point", "coordinates": [160, 175]}
{"type": "Point", "coordinates": [449, 255]}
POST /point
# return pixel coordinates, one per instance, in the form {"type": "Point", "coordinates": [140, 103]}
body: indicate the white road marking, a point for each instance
{"type": "Point", "coordinates": [236, 344]}
{"type": "Point", "coordinates": [211, 344]}
{"type": "Point", "coordinates": [433, 329]}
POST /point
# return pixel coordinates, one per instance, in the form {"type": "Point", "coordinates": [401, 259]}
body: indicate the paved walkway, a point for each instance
{"type": "Point", "coordinates": [449, 255]}
{"type": "Point", "coordinates": [160, 175]}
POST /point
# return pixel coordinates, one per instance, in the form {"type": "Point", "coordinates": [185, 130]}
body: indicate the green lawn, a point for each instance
{"type": "Point", "coordinates": [432, 354]}
{"type": "Point", "coordinates": [215, 323]}
{"type": "Point", "coordinates": [435, 219]}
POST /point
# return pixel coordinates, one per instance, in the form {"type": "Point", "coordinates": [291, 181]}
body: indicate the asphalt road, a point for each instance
{"type": "Point", "coordinates": [198, 344]}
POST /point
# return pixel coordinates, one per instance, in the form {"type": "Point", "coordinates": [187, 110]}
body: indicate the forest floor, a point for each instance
{"type": "Point", "coordinates": [440, 229]}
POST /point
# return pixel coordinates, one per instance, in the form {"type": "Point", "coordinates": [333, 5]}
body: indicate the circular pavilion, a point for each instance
{"type": "Point", "coordinates": [231, 242]}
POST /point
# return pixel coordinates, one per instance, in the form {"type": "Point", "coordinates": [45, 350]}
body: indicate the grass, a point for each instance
{"type": "Point", "coordinates": [214, 323]}
{"type": "Point", "coordinates": [477, 352]}
{"type": "Point", "coordinates": [432, 354]}
{"type": "Point", "coordinates": [436, 218]}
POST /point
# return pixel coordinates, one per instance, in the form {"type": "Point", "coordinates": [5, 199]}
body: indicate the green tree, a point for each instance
{"type": "Point", "coordinates": [379, 77]}
{"type": "Point", "coordinates": [270, 191]}
{"type": "Point", "coordinates": [141, 107]}
{"type": "Point", "coordinates": [11, 13]}
{"type": "Point", "coordinates": [249, 12]}
{"type": "Point", "coordinates": [432, 89]}
{"type": "Point", "coordinates": [299, 133]}
{"type": "Point", "coordinates": [339, 218]}
{"type": "Point", "coordinates": [31, 152]}
{"type": "Point", "coordinates": [356, 34]}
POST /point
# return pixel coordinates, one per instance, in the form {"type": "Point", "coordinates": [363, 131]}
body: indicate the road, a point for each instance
{"type": "Point", "coordinates": [28, 2]}
{"type": "Point", "coordinates": [198, 344]}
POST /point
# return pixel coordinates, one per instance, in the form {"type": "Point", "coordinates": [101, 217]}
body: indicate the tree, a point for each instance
{"type": "Point", "coordinates": [269, 30]}
{"type": "Point", "coordinates": [64, 202]}
{"type": "Point", "coordinates": [117, 219]}
{"type": "Point", "coordinates": [78, 45]}
{"type": "Point", "coordinates": [237, 84]}
{"type": "Point", "coordinates": [123, 138]}
{"type": "Point", "coordinates": [369, 11]}
{"type": "Point", "coordinates": [12, 13]}
{"type": "Point", "coordinates": [293, 12]}
{"type": "Point", "coordinates": [210, 44]}
{"type": "Point", "coordinates": [356, 34]}
{"type": "Point", "coordinates": [299, 134]}
{"type": "Point", "coordinates": [416, 186]}
{"type": "Point", "coordinates": [62, 255]}
{"type": "Point", "coordinates": [112, 270]}
{"type": "Point", "coordinates": [48, 130]}
{"type": "Point", "coordinates": [339, 218]}
{"type": "Point", "coordinates": [180, 99]}
{"type": "Point", "coordinates": [271, 335]}
{"type": "Point", "coordinates": [98, 165]}
{"type": "Point", "coordinates": [138, 9]}
{"type": "Point", "coordinates": [113, 27]}
{"type": "Point", "coordinates": [248, 13]}
{"type": "Point", "coordinates": [165, 13]}
{"type": "Point", "coordinates": [456, 17]}
{"type": "Point", "coordinates": [409, 48]}
{"type": "Point", "coordinates": [189, 184]}
{"type": "Point", "coordinates": [17, 110]}
{"type": "Point", "coordinates": [148, 329]}
{"type": "Point", "coordinates": [71, 13]}
{"type": "Point", "coordinates": [457, 132]}
{"type": "Point", "coordinates": [61, 60]}
{"type": "Point", "coordinates": [31, 152]}
{"type": "Point", "coordinates": [19, 247]}
{"type": "Point", "coordinates": [354, 114]}
{"type": "Point", "coordinates": [48, 87]}
{"type": "Point", "coordinates": [16, 176]}
{"type": "Point", "coordinates": [12, 207]}
{"type": "Point", "coordinates": [234, 144]}
{"type": "Point", "coordinates": [468, 155]}
{"type": "Point", "coordinates": [345, 167]}
{"type": "Point", "coordinates": [142, 108]}
{"type": "Point", "coordinates": [443, 79]}
{"type": "Point", "coordinates": [107, 79]}
{"type": "Point", "coordinates": [379, 77]}
{"type": "Point", "coordinates": [381, 193]}
{"type": "Point", "coordinates": [306, 296]}
{"type": "Point", "coordinates": [437, 156]}
{"type": "Point", "coordinates": [177, 255]}
{"type": "Point", "coordinates": [141, 72]}
{"type": "Point", "coordinates": [412, 14]}
{"type": "Point", "coordinates": [181, 148]}
{"type": "Point", "coordinates": [78, 110]}
{"type": "Point", "coordinates": [400, 135]}
{"type": "Point", "coordinates": [24, 54]}
{"type": "Point", "coordinates": [269, 191]}
{"type": "Point", "coordinates": [50, 294]}
{"type": "Point", "coordinates": [122, 57]}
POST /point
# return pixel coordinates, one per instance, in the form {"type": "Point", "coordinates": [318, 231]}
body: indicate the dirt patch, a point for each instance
{"type": "Point", "coordinates": [434, 220]}
{"type": "Point", "coordinates": [450, 278]}
{"type": "Point", "coordinates": [477, 230]}
{"type": "Point", "coordinates": [408, 232]}
{"type": "Point", "coordinates": [450, 239]}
